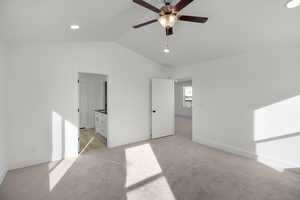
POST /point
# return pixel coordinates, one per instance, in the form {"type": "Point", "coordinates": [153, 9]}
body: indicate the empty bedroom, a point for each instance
{"type": "Point", "coordinates": [149, 100]}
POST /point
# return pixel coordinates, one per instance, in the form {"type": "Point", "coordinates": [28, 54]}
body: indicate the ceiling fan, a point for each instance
{"type": "Point", "coordinates": [168, 14]}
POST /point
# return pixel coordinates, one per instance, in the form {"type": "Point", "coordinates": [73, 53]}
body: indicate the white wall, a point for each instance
{"type": "Point", "coordinates": [92, 95]}
{"type": "Point", "coordinates": [235, 104]}
{"type": "Point", "coordinates": [179, 108]}
{"type": "Point", "coordinates": [43, 97]}
{"type": "Point", "coordinates": [3, 132]}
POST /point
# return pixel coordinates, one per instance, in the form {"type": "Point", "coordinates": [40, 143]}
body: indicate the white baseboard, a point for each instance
{"type": "Point", "coordinates": [181, 115]}
{"type": "Point", "coordinates": [275, 163]}
{"type": "Point", "coordinates": [2, 175]}
{"type": "Point", "coordinates": [34, 162]}
{"type": "Point", "coordinates": [19, 165]}
{"type": "Point", "coordinates": [271, 162]}
{"type": "Point", "coordinates": [226, 148]}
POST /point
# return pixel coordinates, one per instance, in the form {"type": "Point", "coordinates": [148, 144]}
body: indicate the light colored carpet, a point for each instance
{"type": "Point", "coordinates": [171, 168]}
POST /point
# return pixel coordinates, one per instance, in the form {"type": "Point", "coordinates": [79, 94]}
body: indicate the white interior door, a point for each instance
{"type": "Point", "coordinates": [163, 108]}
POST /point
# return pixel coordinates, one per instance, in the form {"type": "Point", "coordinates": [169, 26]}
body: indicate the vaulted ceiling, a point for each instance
{"type": "Point", "coordinates": [234, 26]}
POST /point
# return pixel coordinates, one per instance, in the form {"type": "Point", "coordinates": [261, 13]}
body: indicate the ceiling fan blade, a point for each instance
{"type": "Point", "coordinates": [182, 4]}
{"type": "Point", "coordinates": [193, 19]}
{"type": "Point", "coordinates": [145, 23]}
{"type": "Point", "coordinates": [147, 5]}
{"type": "Point", "coordinates": [169, 31]}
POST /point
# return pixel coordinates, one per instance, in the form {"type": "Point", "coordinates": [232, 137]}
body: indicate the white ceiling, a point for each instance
{"type": "Point", "coordinates": [234, 26]}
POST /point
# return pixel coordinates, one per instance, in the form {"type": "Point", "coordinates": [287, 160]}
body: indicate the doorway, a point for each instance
{"type": "Point", "coordinates": [93, 113]}
{"type": "Point", "coordinates": [183, 108]}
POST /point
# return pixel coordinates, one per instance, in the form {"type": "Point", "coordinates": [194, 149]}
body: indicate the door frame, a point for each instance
{"type": "Point", "coordinates": [79, 102]}
{"type": "Point", "coordinates": [78, 106]}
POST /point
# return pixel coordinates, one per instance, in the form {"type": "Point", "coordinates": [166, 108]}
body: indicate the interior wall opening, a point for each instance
{"type": "Point", "coordinates": [183, 108]}
{"type": "Point", "coordinates": [93, 112]}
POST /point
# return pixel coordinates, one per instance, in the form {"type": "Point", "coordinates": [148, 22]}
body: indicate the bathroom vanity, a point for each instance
{"type": "Point", "coordinates": [101, 122]}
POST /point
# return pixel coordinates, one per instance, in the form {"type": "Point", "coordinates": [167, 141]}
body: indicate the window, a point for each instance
{"type": "Point", "coordinates": [187, 96]}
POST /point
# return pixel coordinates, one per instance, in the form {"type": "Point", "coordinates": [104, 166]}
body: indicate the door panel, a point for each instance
{"type": "Point", "coordinates": [163, 108]}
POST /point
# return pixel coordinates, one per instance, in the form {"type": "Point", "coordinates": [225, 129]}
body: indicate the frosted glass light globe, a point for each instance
{"type": "Point", "coordinates": [167, 21]}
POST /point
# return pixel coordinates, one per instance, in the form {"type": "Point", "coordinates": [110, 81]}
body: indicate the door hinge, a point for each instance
{"type": "Point", "coordinates": [78, 81]}
{"type": "Point", "coordinates": [78, 109]}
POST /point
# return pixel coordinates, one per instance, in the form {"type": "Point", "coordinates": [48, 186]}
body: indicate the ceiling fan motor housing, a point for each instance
{"type": "Point", "coordinates": [167, 10]}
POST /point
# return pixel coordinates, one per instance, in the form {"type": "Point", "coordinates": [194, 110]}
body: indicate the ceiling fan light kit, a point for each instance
{"type": "Point", "coordinates": [167, 21]}
{"type": "Point", "coordinates": [168, 15]}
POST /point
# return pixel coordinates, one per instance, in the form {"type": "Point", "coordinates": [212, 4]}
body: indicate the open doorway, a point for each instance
{"type": "Point", "coordinates": [183, 108]}
{"type": "Point", "coordinates": [93, 113]}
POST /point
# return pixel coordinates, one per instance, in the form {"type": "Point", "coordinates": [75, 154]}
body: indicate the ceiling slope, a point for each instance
{"type": "Point", "coordinates": [234, 26]}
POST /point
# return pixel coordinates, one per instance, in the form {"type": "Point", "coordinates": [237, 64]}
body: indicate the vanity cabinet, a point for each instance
{"type": "Point", "coordinates": [101, 123]}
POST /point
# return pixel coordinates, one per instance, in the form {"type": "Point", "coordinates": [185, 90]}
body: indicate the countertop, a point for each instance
{"type": "Point", "coordinates": [103, 111]}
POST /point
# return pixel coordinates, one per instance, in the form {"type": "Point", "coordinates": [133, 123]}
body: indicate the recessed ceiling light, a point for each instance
{"type": "Point", "coordinates": [74, 27]}
{"type": "Point", "coordinates": [293, 4]}
{"type": "Point", "coordinates": [166, 50]}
